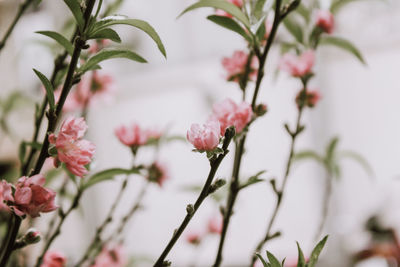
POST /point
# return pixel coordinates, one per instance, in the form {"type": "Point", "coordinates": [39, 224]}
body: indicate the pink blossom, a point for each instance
{"type": "Point", "coordinates": [111, 257]}
{"type": "Point", "coordinates": [158, 172]}
{"type": "Point", "coordinates": [194, 238]}
{"type": "Point", "coordinates": [228, 113]}
{"type": "Point", "coordinates": [132, 136]}
{"type": "Point", "coordinates": [215, 225]}
{"type": "Point", "coordinates": [74, 151]}
{"type": "Point", "coordinates": [5, 195]}
{"type": "Point", "coordinates": [153, 133]}
{"type": "Point", "coordinates": [325, 20]}
{"type": "Point", "coordinates": [311, 98]}
{"type": "Point", "coordinates": [238, 3]}
{"type": "Point", "coordinates": [98, 45]}
{"type": "Point", "coordinates": [31, 197]}
{"type": "Point", "coordinates": [205, 137]}
{"type": "Point", "coordinates": [54, 258]}
{"type": "Point", "coordinates": [235, 66]}
{"type": "Point", "coordinates": [89, 91]}
{"type": "Point", "coordinates": [298, 66]}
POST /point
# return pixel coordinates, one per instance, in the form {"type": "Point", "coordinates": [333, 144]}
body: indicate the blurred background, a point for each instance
{"type": "Point", "coordinates": [360, 105]}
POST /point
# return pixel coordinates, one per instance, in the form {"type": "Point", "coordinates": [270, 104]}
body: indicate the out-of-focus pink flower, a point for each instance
{"type": "Point", "coordinates": [238, 3]}
{"type": "Point", "coordinates": [54, 258]}
{"type": "Point", "coordinates": [311, 98]}
{"type": "Point", "coordinates": [92, 89]}
{"type": "Point", "coordinates": [158, 173]}
{"type": "Point", "coordinates": [268, 28]}
{"type": "Point", "coordinates": [98, 45]}
{"type": "Point", "coordinates": [215, 225]}
{"type": "Point", "coordinates": [298, 66]}
{"type": "Point", "coordinates": [235, 66]}
{"type": "Point", "coordinates": [228, 113]}
{"type": "Point", "coordinates": [5, 195]}
{"type": "Point", "coordinates": [111, 257]}
{"type": "Point", "coordinates": [194, 238]}
{"type": "Point", "coordinates": [325, 20]}
{"type": "Point", "coordinates": [205, 137]}
{"type": "Point", "coordinates": [132, 136]}
{"type": "Point", "coordinates": [74, 151]}
{"type": "Point", "coordinates": [32, 198]}
{"type": "Point", "coordinates": [153, 133]}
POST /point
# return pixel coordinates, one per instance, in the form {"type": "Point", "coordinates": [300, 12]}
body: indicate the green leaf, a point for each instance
{"type": "Point", "coordinates": [107, 175]}
{"type": "Point", "coordinates": [293, 28]}
{"type": "Point", "coordinates": [140, 24]}
{"type": "Point", "coordinates": [258, 8]}
{"type": "Point", "coordinates": [221, 4]}
{"type": "Point", "coordinates": [77, 12]}
{"type": "Point", "coordinates": [106, 34]}
{"type": "Point", "coordinates": [108, 54]}
{"type": "Point", "coordinates": [343, 44]}
{"type": "Point", "coordinates": [252, 180]}
{"type": "Point", "coordinates": [272, 260]}
{"type": "Point", "coordinates": [265, 264]}
{"type": "Point", "coordinates": [59, 39]}
{"type": "Point", "coordinates": [359, 159]}
{"type": "Point", "coordinates": [316, 251]}
{"type": "Point", "coordinates": [304, 12]}
{"type": "Point", "coordinates": [22, 152]}
{"type": "Point", "coordinates": [308, 154]}
{"type": "Point", "coordinates": [301, 262]}
{"type": "Point", "coordinates": [49, 89]}
{"type": "Point", "coordinates": [331, 150]}
{"type": "Point", "coordinates": [229, 24]}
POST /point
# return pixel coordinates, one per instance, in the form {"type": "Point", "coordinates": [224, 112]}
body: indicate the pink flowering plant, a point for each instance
{"type": "Point", "coordinates": [77, 86]}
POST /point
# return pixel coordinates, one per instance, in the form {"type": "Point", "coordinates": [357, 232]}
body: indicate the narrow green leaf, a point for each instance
{"type": "Point", "coordinates": [107, 175]}
{"type": "Point", "coordinates": [140, 24]}
{"type": "Point", "coordinates": [304, 12]}
{"type": "Point", "coordinates": [331, 150]}
{"type": "Point", "coordinates": [258, 8]}
{"type": "Point", "coordinates": [229, 24]}
{"type": "Point", "coordinates": [49, 89]}
{"type": "Point", "coordinates": [77, 12]}
{"type": "Point", "coordinates": [343, 44]}
{"type": "Point", "coordinates": [301, 262]}
{"type": "Point", "coordinates": [265, 264]}
{"type": "Point", "coordinates": [108, 54]}
{"type": "Point", "coordinates": [273, 260]}
{"type": "Point", "coordinates": [293, 28]}
{"type": "Point", "coordinates": [316, 251]}
{"type": "Point", "coordinates": [308, 154]}
{"type": "Point", "coordinates": [252, 180]}
{"type": "Point", "coordinates": [221, 4]}
{"type": "Point", "coordinates": [22, 152]}
{"type": "Point", "coordinates": [106, 34]}
{"type": "Point", "coordinates": [59, 39]}
{"type": "Point", "coordinates": [359, 159]}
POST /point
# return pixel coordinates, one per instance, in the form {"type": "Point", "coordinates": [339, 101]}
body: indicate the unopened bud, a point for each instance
{"type": "Point", "coordinates": [260, 110]}
{"type": "Point", "coordinates": [190, 209]}
{"type": "Point", "coordinates": [32, 236]}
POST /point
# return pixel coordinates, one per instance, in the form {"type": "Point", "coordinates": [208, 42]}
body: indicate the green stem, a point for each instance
{"type": "Point", "coordinates": [11, 240]}
{"type": "Point", "coordinates": [325, 208]}
{"type": "Point", "coordinates": [268, 236]}
{"type": "Point", "coordinates": [214, 163]}
{"type": "Point", "coordinates": [21, 10]}
{"type": "Point", "coordinates": [234, 186]}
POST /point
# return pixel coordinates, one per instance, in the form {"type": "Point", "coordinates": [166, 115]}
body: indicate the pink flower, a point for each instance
{"type": "Point", "coordinates": [298, 66]}
{"type": "Point", "coordinates": [194, 238]}
{"type": "Point", "coordinates": [32, 198]}
{"type": "Point", "coordinates": [215, 225]}
{"type": "Point", "coordinates": [204, 137]}
{"type": "Point", "coordinates": [238, 3]}
{"type": "Point", "coordinates": [153, 133]}
{"type": "Point", "coordinates": [325, 20]}
{"type": "Point", "coordinates": [158, 173]}
{"type": "Point", "coordinates": [54, 258]}
{"type": "Point", "coordinates": [90, 90]}
{"type": "Point", "coordinates": [235, 66]}
{"type": "Point", "coordinates": [74, 151]}
{"type": "Point", "coordinates": [132, 136]}
{"type": "Point", "coordinates": [5, 195]}
{"type": "Point", "coordinates": [310, 100]}
{"type": "Point", "coordinates": [98, 45]}
{"type": "Point", "coordinates": [111, 257]}
{"type": "Point", "coordinates": [228, 113]}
